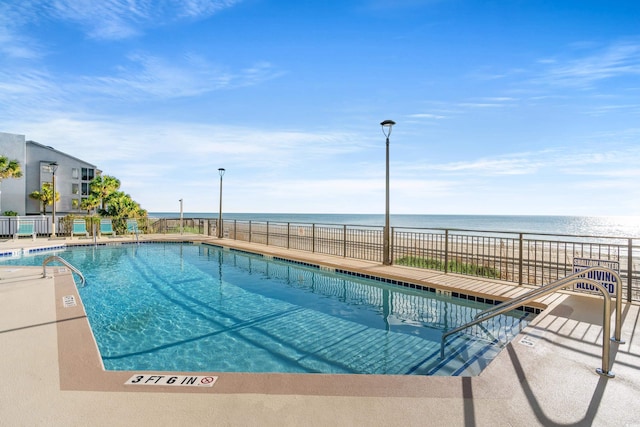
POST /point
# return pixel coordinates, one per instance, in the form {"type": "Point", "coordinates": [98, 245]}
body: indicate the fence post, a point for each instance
{"type": "Point", "coordinates": [235, 229]}
{"type": "Point", "coordinates": [313, 237]}
{"type": "Point", "coordinates": [249, 231]}
{"type": "Point", "coordinates": [446, 251]}
{"type": "Point", "coordinates": [391, 246]}
{"type": "Point", "coordinates": [629, 269]}
{"type": "Point", "coordinates": [288, 234]}
{"type": "Point", "coordinates": [520, 257]}
{"type": "Point", "coordinates": [267, 233]}
{"type": "Point", "coordinates": [344, 241]}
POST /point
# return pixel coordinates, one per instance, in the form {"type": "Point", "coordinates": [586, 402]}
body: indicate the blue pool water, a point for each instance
{"type": "Point", "coordinates": [188, 307]}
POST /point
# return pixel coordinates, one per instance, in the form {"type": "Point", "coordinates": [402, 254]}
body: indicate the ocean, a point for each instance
{"type": "Point", "coordinates": [605, 226]}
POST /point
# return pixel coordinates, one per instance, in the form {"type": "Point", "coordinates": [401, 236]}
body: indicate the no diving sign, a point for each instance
{"type": "Point", "coordinates": [606, 279]}
{"type": "Point", "coordinates": [173, 380]}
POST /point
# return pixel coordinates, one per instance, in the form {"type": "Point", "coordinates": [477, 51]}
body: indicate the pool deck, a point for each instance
{"type": "Point", "coordinates": [52, 374]}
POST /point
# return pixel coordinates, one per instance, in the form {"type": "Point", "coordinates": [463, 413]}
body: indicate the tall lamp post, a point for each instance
{"type": "Point", "coordinates": [53, 167]}
{"type": "Point", "coordinates": [386, 255]}
{"type": "Point", "coordinates": [221, 171]}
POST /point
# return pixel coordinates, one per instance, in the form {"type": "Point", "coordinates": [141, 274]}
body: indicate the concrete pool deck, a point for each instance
{"type": "Point", "coordinates": [52, 374]}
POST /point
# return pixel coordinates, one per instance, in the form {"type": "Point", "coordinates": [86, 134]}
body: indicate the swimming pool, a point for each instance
{"type": "Point", "coordinates": [195, 307]}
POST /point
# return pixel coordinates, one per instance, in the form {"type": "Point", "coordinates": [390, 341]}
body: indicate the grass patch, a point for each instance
{"type": "Point", "coordinates": [453, 266]}
{"type": "Point", "coordinates": [176, 230]}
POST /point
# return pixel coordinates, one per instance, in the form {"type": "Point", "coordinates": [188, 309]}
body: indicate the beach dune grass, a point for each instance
{"type": "Point", "coordinates": [453, 266]}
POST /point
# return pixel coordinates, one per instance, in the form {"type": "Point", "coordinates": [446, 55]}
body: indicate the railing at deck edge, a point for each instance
{"type": "Point", "coordinates": [525, 258]}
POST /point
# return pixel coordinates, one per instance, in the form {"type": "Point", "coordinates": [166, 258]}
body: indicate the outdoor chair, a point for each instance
{"type": "Point", "coordinates": [132, 226]}
{"type": "Point", "coordinates": [106, 228]}
{"type": "Point", "coordinates": [79, 228]}
{"type": "Point", "coordinates": [25, 228]}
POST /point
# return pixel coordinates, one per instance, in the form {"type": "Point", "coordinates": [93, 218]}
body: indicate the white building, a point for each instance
{"type": "Point", "coordinates": [72, 177]}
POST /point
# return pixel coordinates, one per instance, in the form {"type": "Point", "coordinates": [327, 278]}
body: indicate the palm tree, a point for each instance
{"type": "Point", "coordinates": [90, 203]}
{"type": "Point", "coordinates": [120, 207]}
{"type": "Point", "coordinates": [103, 186]}
{"type": "Point", "coordinates": [9, 169]}
{"type": "Point", "coordinates": [41, 197]}
{"type": "Point", "coordinates": [45, 196]}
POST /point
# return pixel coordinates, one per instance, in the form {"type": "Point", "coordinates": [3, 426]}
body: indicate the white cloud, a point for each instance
{"type": "Point", "coordinates": [561, 161]}
{"type": "Point", "coordinates": [165, 78]}
{"type": "Point", "coordinates": [144, 78]}
{"type": "Point", "coordinates": [513, 164]}
{"type": "Point", "coordinates": [147, 75]}
{"type": "Point", "coordinates": [13, 44]}
{"type": "Point", "coordinates": [198, 8]}
{"type": "Point", "coordinates": [275, 170]}
{"type": "Point", "coordinates": [26, 84]}
{"type": "Point", "coordinates": [181, 145]}
{"type": "Point", "coordinates": [427, 116]}
{"type": "Point", "coordinates": [618, 59]}
{"type": "Point", "coordinates": [118, 19]}
{"type": "Point", "coordinates": [500, 99]}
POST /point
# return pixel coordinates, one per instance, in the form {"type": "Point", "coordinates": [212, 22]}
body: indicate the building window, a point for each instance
{"type": "Point", "coordinates": [75, 173]}
{"type": "Point", "coordinates": [85, 188]}
{"type": "Point", "coordinates": [75, 189]}
{"type": "Point", "coordinates": [87, 174]}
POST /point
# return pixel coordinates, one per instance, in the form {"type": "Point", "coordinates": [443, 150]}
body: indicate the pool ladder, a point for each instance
{"type": "Point", "coordinates": [62, 261]}
{"type": "Point", "coordinates": [579, 277]}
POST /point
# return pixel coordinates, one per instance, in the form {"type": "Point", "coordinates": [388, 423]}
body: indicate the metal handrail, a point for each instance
{"type": "Point", "coordinates": [529, 296]}
{"type": "Point", "coordinates": [553, 287]}
{"type": "Point", "coordinates": [63, 261]}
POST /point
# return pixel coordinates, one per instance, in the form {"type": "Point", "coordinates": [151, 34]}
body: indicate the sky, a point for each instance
{"type": "Point", "coordinates": [517, 107]}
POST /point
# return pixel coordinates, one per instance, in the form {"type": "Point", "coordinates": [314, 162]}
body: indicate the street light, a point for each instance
{"type": "Point", "coordinates": [386, 253]}
{"type": "Point", "coordinates": [181, 223]}
{"type": "Point", "coordinates": [221, 171]}
{"type": "Point", "coordinates": [53, 166]}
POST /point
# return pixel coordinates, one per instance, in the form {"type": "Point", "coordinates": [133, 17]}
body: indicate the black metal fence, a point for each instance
{"type": "Point", "coordinates": [176, 226]}
{"type": "Point", "coordinates": [523, 258]}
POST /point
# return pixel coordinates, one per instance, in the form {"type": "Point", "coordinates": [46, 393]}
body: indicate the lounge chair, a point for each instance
{"type": "Point", "coordinates": [25, 228]}
{"type": "Point", "coordinates": [79, 228]}
{"type": "Point", "coordinates": [106, 228]}
{"type": "Point", "coordinates": [132, 226]}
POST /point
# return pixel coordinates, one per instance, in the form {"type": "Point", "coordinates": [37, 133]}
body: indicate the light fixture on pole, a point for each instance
{"type": "Point", "coordinates": [386, 252]}
{"type": "Point", "coordinates": [53, 167]}
{"type": "Point", "coordinates": [221, 171]}
{"type": "Point", "coordinates": [181, 223]}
